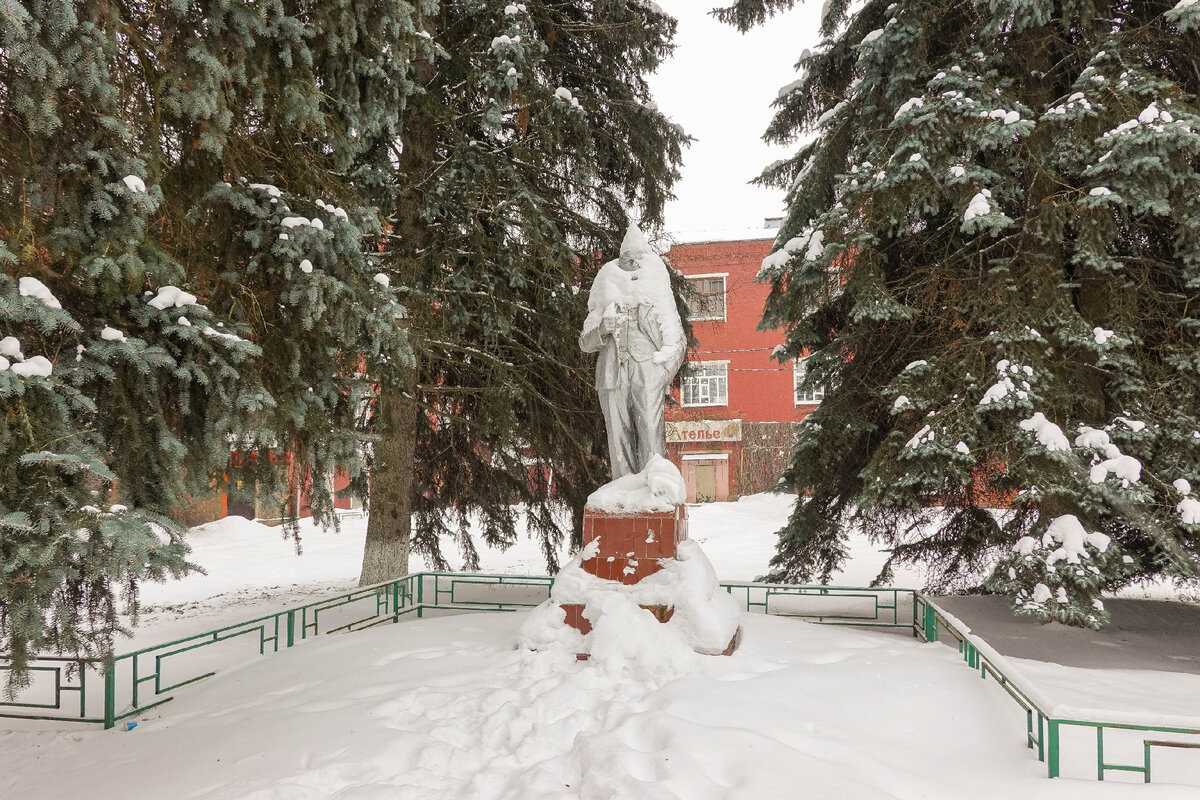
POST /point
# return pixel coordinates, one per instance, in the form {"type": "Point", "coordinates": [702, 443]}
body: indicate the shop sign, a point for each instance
{"type": "Point", "coordinates": [708, 430]}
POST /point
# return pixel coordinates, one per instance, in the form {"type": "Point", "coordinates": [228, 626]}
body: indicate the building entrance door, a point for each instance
{"type": "Point", "coordinates": [241, 495]}
{"type": "Point", "coordinates": [706, 483]}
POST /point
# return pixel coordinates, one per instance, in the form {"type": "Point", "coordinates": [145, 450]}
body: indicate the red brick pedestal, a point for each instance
{"type": "Point", "coordinates": [630, 548]}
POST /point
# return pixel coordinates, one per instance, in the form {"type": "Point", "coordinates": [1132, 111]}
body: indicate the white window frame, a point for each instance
{"type": "Point", "coordinates": [722, 379]}
{"type": "Point", "coordinates": [724, 276]}
{"type": "Point", "coordinates": [799, 370]}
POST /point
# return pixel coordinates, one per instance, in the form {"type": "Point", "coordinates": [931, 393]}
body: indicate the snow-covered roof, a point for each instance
{"type": "Point", "coordinates": [726, 235]}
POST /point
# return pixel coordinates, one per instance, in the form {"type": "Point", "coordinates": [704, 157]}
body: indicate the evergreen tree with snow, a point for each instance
{"type": "Point", "coordinates": [992, 252]}
{"type": "Point", "coordinates": [529, 138]}
{"type": "Point", "coordinates": [189, 249]}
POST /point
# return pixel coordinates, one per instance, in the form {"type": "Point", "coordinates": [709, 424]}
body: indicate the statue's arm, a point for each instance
{"type": "Point", "coordinates": [591, 337]}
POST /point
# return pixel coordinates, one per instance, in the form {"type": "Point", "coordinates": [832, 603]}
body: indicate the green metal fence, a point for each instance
{"type": "Point", "coordinates": [1044, 732]}
{"type": "Point", "coordinates": [833, 605]}
{"type": "Point", "coordinates": [137, 681]}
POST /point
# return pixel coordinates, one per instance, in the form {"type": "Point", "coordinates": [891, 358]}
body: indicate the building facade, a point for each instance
{"type": "Point", "coordinates": [731, 428]}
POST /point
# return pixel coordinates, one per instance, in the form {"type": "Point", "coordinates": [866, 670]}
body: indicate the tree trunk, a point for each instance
{"type": "Point", "coordinates": [389, 526]}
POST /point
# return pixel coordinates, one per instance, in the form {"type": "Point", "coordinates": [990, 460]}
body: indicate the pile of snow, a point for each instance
{"type": "Point", "coordinates": [32, 287]}
{"type": "Point", "coordinates": [1004, 385]}
{"type": "Point", "coordinates": [111, 334]}
{"type": "Point", "coordinates": [337, 211]}
{"type": "Point", "coordinates": [134, 184]}
{"type": "Point", "coordinates": [171, 297]}
{"type": "Point", "coordinates": [658, 487]}
{"type": "Point", "coordinates": [564, 94]}
{"type": "Point", "coordinates": [271, 191]}
{"type": "Point", "coordinates": [705, 617]}
{"type": "Point", "coordinates": [1092, 438]}
{"type": "Point", "coordinates": [35, 367]}
{"type": "Point", "coordinates": [1048, 434]}
{"type": "Point", "coordinates": [923, 436]}
{"type": "Point", "coordinates": [980, 205]}
{"type": "Point", "coordinates": [908, 105]}
{"type": "Point", "coordinates": [1071, 537]}
{"type": "Point", "coordinates": [1127, 468]}
{"type": "Point", "coordinates": [1067, 540]}
{"type": "Point", "coordinates": [298, 222]}
{"type": "Point", "coordinates": [810, 242]}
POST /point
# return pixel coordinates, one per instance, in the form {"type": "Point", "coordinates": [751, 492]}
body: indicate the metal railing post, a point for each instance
{"type": "Point", "coordinates": [931, 625]}
{"type": "Point", "coordinates": [110, 693]}
{"type": "Point", "coordinates": [1052, 746]}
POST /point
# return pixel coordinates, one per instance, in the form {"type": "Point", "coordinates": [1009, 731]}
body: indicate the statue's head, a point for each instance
{"type": "Point", "coordinates": [633, 247]}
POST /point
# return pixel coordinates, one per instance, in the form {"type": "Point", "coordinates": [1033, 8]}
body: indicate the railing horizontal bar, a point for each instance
{"type": "Point", "coordinates": [134, 712]}
{"type": "Point", "coordinates": [1126, 726]}
{"type": "Point", "coordinates": [175, 686]}
{"type": "Point", "coordinates": [45, 718]}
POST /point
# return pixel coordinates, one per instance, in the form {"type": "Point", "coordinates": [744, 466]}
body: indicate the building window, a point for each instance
{"type": "Point", "coordinates": [706, 384]}
{"type": "Point", "coordinates": [814, 394]}
{"type": "Point", "coordinates": [706, 300]}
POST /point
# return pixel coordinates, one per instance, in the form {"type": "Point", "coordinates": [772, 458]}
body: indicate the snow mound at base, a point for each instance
{"type": "Point", "coordinates": [623, 635]}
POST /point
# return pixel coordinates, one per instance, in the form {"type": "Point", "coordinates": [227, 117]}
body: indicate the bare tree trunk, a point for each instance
{"type": "Point", "coordinates": [389, 526]}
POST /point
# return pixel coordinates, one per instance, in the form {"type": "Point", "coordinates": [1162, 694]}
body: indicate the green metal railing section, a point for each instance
{"type": "Point", "coordinates": [832, 605]}
{"type": "Point", "coordinates": [137, 681]}
{"type": "Point", "coordinates": [134, 682]}
{"type": "Point", "coordinates": [1044, 732]}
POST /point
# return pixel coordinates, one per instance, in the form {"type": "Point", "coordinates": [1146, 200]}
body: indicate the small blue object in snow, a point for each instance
{"type": "Point", "coordinates": [130, 725]}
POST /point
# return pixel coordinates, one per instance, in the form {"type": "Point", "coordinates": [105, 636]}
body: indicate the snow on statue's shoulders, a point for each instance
{"type": "Point", "coordinates": [657, 488]}
{"type": "Point", "coordinates": [646, 285]}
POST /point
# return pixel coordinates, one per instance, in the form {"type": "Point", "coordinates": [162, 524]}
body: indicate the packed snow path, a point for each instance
{"type": "Point", "coordinates": [447, 708]}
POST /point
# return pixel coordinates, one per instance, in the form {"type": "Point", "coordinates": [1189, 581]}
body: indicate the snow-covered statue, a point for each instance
{"type": "Point", "coordinates": [633, 323]}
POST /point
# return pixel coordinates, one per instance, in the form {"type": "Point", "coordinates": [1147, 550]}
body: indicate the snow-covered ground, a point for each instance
{"type": "Point", "coordinates": [449, 708]}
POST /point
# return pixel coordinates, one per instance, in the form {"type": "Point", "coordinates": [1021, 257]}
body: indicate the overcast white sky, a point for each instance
{"type": "Point", "coordinates": [719, 86]}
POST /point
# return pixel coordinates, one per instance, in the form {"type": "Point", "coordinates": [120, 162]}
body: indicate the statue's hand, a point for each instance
{"type": "Point", "coordinates": [661, 357]}
{"type": "Point", "coordinates": [607, 325]}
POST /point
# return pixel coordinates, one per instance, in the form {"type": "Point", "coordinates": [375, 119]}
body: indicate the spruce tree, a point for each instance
{"type": "Point", "coordinates": [992, 251]}
{"type": "Point", "coordinates": [189, 246]}
{"type": "Point", "coordinates": [530, 137]}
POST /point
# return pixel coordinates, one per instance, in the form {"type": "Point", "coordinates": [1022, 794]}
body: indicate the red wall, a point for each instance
{"type": "Point", "coordinates": [760, 388]}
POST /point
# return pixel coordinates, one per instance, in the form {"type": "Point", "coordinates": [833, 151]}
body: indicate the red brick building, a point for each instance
{"type": "Point", "coordinates": [732, 430]}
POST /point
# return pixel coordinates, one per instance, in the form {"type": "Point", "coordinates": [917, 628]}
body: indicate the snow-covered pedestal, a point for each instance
{"type": "Point", "coordinates": [636, 561]}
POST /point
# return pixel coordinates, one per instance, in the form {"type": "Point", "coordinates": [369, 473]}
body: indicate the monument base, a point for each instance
{"type": "Point", "coordinates": [631, 546]}
{"type": "Point", "coordinates": [636, 554]}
